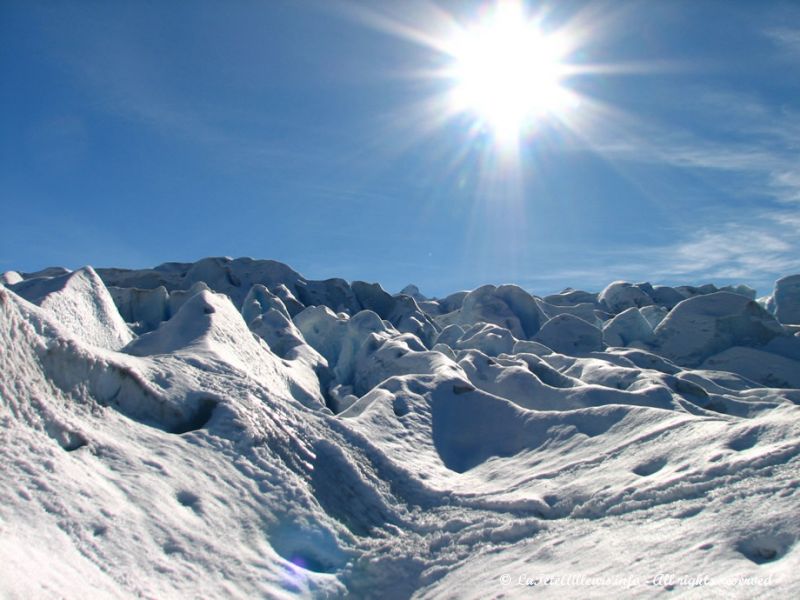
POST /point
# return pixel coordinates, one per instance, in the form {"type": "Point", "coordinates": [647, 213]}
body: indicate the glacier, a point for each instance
{"type": "Point", "coordinates": [230, 429]}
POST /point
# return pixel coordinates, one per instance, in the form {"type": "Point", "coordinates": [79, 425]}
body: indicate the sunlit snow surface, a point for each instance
{"type": "Point", "coordinates": [229, 429]}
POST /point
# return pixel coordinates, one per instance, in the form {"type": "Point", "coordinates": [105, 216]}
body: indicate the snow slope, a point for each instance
{"type": "Point", "coordinates": [230, 429]}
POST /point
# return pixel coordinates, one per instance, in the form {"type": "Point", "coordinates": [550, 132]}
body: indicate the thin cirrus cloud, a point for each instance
{"type": "Point", "coordinates": [787, 39]}
{"type": "Point", "coordinates": [759, 157]}
{"type": "Point", "coordinates": [755, 254]}
{"type": "Point", "coordinates": [736, 251]}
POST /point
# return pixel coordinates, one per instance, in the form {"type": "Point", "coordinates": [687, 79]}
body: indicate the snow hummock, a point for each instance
{"type": "Point", "coordinates": [701, 326]}
{"type": "Point", "coordinates": [10, 278]}
{"type": "Point", "coordinates": [507, 306]}
{"type": "Point", "coordinates": [787, 299]}
{"type": "Point", "coordinates": [627, 327]}
{"type": "Point", "coordinates": [569, 334]}
{"type": "Point", "coordinates": [621, 295]}
{"type": "Point", "coordinates": [231, 429]}
{"type": "Point", "coordinates": [82, 304]}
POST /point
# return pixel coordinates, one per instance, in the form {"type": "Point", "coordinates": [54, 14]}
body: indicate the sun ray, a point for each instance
{"type": "Point", "coordinates": [506, 71]}
{"type": "Point", "coordinates": [503, 91]}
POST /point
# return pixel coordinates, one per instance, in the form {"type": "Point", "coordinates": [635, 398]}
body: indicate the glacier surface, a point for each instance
{"type": "Point", "coordinates": [231, 429]}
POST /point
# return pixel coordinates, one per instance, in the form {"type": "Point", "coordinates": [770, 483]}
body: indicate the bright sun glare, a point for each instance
{"type": "Point", "coordinates": [508, 72]}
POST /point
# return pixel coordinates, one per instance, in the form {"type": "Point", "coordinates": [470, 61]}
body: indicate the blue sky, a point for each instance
{"type": "Point", "coordinates": [135, 133]}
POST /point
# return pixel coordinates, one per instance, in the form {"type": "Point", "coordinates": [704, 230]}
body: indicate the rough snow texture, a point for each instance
{"type": "Point", "coordinates": [230, 429]}
{"type": "Point", "coordinates": [81, 303]}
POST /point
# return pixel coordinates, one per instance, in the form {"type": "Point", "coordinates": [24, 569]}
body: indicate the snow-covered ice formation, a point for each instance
{"type": "Point", "coordinates": [231, 429]}
{"type": "Point", "coordinates": [787, 299]}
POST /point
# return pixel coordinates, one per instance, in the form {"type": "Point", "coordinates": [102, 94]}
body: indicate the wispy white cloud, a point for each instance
{"type": "Point", "coordinates": [785, 183]}
{"type": "Point", "coordinates": [729, 130]}
{"type": "Point", "coordinates": [752, 153]}
{"type": "Point", "coordinates": [752, 253]}
{"type": "Point", "coordinates": [735, 250]}
{"type": "Point", "coordinates": [767, 149]}
{"type": "Point", "coordinates": [786, 38]}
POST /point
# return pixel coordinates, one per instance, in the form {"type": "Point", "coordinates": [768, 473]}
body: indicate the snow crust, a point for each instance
{"type": "Point", "coordinates": [230, 429]}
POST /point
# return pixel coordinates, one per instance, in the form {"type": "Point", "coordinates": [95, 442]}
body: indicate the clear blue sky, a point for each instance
{"type": "Point", "coordinates": [134, 133]}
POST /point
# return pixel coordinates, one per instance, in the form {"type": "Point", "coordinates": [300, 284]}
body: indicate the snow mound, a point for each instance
{"type": "Point", "coordinates": [771, 370]}
{"type": "Point", "coordinates": [654, 314]}
{"type": "Point", "coordinates": [379, 360]}
{"type": "Point", "coordinates": [571, 297]}
{"type": "Point", "coordinates": [64, 364]}
{"type": "Point", "coordinates": [568, 334]}
{"type": "Point", "coordinates": [702, 326]}
{"type": "Point", "coordinates": [334, 293]}
{"type": "Point", "coordinates": [507, 306]}
{"type": "Point", "coordinates": [401, 311]}
{"type": "Point", "coordinates": [82, 304]}
{"type": "Point", "coordinates": [627, 327]}
{"type": "Point", "coordinates": [9, 278]}
{"type": "Point", "coordinates": [209, 327]}
{"type": "Point", "coordinates": [339, 337]}
{"type": "Point", "coordinates": [413, 291]}
{"type": "Point", "coordinates": [267, 317]}
{"type": "Point", "coordinates": [621, 295]}
{"type": "Point", "coordinates": [787, 299]}
{"type": "Point", "coordinates": [666, 296]}
{"type": "Point", "coordinates": [260, 300]}
{"type": "Point", "coordinates": [450, 335]}
{"type": "Point", "coordinates": [488, 338]}
{"type": "Point", "coordinates": [177, 298]}
{"type": "Point", "coordinates": [583, 310]}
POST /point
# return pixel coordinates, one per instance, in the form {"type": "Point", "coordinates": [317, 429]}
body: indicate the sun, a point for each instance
{"type": "Point", "coordinates": [508, 72]}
